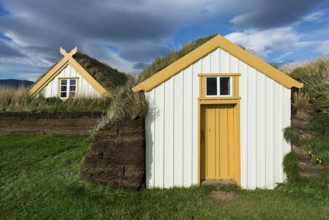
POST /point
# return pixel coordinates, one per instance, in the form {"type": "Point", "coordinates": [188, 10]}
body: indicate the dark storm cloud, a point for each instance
{"type": "Point", "coordinates": [83, 19]}
{"type": "Point", "coordinates": [148, 51]}
{"type": "Point", "coordinates": [268, 14]}
{"type": "Point", "coordinates": [136, 29]}
{"type": "Point", "coordinates": [7, 51]}
{"type": "Point", "coordinates": [42, 27]}
{"type": "Point", "coordinates": [139, 66]}
{"type": "Point", "coordinates": [3, 12]}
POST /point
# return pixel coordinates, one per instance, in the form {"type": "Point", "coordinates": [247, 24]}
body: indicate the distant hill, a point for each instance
{"type": "Point", "coordinates": [15, 83]}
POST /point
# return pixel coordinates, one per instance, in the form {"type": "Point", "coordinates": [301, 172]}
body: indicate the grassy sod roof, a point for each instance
{"type": "Point", "coordinates": [104, 74]}
{"type": "Point", "coordinates": [160, 63]}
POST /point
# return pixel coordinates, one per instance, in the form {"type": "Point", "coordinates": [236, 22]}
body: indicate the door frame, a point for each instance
{"type": "Point", "coordinates": [233, 99]}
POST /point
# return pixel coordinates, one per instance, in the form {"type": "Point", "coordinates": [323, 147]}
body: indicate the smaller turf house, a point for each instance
{"type": "Point", "coordinates": [77, 75]}
{"type": "Point", "coordinates": [216, 113]}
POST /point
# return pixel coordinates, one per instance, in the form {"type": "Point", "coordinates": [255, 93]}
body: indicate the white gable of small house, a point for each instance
{"type": "Point", "coordinates": [172, 125]}
{"type": "Point", "coordinates": [84, 89]}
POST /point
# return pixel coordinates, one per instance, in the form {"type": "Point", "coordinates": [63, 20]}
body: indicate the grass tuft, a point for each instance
{"type": "Point", "coordinates": [18, 100]}
{"type": "Point", "coordinates": [125, 105]}
{"type": "Point", "coordinates": [301, 100]}
{"type": "Point", "coordinates": [12, 99]}
{"type": "Point", "coordinates": [315, 76]}
{"type": "Point", "coordinates": [291, 135]}
{"type": "Point", "coordinates": [290, 167]}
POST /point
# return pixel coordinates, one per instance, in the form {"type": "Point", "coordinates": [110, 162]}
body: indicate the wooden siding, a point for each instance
{"type": "Point", "coordinates": [84, 88]}
{"type": "Point", "coordinates": [172, 125]}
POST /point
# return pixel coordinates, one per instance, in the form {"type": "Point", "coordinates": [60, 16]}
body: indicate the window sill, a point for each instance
{"type": "Point", "coordinates": [219, 100]}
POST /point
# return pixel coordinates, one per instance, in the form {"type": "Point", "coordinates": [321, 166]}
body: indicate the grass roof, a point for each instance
{"type": "Point", "coordinates": [104, 74]}
{"type": "Point", "coordinates": [162, 62]}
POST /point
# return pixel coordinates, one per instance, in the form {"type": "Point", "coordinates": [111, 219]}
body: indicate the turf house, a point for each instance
{"type": "Point", "coordinates": [77, 75]}
{"type": "Point", "coordinates": [216, 113]}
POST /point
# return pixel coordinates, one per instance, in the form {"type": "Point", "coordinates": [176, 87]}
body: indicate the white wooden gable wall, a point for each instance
{"type": "Point", "coordinates": [172, 125]}
{"type": "Point", "coordinates": [84, 88]}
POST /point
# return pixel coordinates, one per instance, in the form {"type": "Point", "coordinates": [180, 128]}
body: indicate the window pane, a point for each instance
{"type": "Point", "coordinates": [72, 88]}
{"type": "Point", "coordinates": [225, 85]}
{"type": "Point", "coordinates": [211, 85]}
{"type": "Point", "coordinates": [72, 82]}
{"type": "Point", "coordinates": [63, 94]}
{"type": "Point", "coordinates": [63, 88]}
{"type": "Point", "coordinates": [64, 82]}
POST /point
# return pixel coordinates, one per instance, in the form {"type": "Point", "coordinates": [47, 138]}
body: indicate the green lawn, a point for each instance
{"type": "Point", "coordinates": [39, 179]}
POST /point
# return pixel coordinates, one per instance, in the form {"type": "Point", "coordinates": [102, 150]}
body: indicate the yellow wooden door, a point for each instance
{"type": "Point", "coordinates": [219, 146]}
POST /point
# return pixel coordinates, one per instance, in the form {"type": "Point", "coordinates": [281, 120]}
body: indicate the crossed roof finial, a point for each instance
{"type": "Point", "coordinates": [66, 54]}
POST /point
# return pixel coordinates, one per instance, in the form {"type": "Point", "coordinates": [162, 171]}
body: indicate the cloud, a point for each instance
{"type": "Point", "coordinates": [268, 14]}
{"type": "Point", "coordinates": [323, 47]}
{"type": "Point", "coordinates": [42, 22]}
{"type": "Point", "coordinates": [144, 51]}
{"type": "Point", "coordinates": [315, 16]}
{"type": "Point", "coordinates": [140, 66]}
{"type": "Point", "coordinates": [264, 42]}
{"type": "Point", "coordinates": [8, 51]}
{"type": "Point", "coordinates": [135, 28]}
{"type": "Point", "coordinates": [129, 34]}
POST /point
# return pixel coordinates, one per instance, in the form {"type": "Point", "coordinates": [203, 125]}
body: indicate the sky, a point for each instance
{"type": "Point", "coordinates": [129, 35]}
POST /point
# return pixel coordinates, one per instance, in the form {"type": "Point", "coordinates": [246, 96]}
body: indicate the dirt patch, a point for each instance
{"type": "Point", "coordinates": [222, 198]}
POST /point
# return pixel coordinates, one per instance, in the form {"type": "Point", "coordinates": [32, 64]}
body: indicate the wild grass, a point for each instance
{"type": "Point", "coordinates": [39, 179]}
{"type": "Point", "coordinates": [18, 100]}
{"type": "Point", "coordinates": [125, 105]}
{"type": "Point", "coordinates": [301, 100]}
{"type": "Point", "coordinates": [315, 76]}
{"type": "Point", "coordinates": [14, 99]}
{"type": "Point", "coordinates": [314, 98]}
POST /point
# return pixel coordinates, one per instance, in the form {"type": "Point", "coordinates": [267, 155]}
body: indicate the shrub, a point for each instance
{"type": "Point", "coordinates": [291, 135]}
{"type": "Point", "coordinates": [290, 167]}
